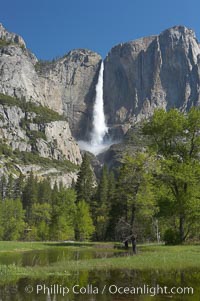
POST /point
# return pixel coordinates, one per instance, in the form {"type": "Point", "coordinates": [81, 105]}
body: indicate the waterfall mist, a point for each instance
{"type": "Point", "coordinates": [97, 144]}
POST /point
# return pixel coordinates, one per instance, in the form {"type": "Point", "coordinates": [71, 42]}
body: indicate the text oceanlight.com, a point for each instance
{"type": "Point", "coordinates": [112, 289]}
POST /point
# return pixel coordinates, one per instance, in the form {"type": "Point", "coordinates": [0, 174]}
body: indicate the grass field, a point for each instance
{"type": "Point", "coordinates": [156, 257]}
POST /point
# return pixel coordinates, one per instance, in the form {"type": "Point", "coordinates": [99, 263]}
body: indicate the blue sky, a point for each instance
{"type": "Point", "coordinates": [51, 28]}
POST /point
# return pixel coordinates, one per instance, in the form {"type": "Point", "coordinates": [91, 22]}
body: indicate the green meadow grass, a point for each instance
{"type": "Point", "coordinates": [149, 257]}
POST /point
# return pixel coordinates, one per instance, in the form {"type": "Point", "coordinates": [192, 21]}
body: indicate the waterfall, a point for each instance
{"type": "Point", "coordinates": [99, 125]}
{"type": "Point", "coordinates": [99, 129]}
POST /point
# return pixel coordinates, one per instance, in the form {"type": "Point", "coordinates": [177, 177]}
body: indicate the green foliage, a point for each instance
{"type": "Point", "coordinates": [34, 135]}
{"type": "Point", "coordinates": [135, 194]}
{"type": "Point", "coordinates": [34, 158]}
{"type": "Point", "coordinates": [85, 182]}
{"type": "Point", "coordinates": [5, 149]}
{"type": "Point", "coordinates": [8, 100]}
{"type": "Point", "coordinates": [43, 114]}
{"type": "Point", "coordinates": [176, 144]}
{"type": "Point", "coordinates": [4, 43]}
{"type": "Point", "coordinates": [19, 186]}
{"type": "Point", "coordinates": [111, 186]}
{"type": "Point", "coordinates": [11, 219]}
{"type": "Point", "coordinates": [40, 221]}
{"type": "Point", "coordinates": [29, 196]}
{"type": "Point", "coordinates": [3, 187]}
{"type": "Point", "coordinates": [63, 215]}
{"type": "Point", "coordinates": [102, 205]}
{"type": "Point", "coordinates": [103, 187]}
{"type": "Point", "coordinates": [10, 187]}
{"type": "Point", "coordinates": [171, 237]}
{"type": "Point", "coordinates": [135, 137]}
{"type": "Point", "coordinates": [44, 191]}
{"type": "Point", "coordinates": [155, 193]}
{"type": "Point", "coordinates": [47, 213]}
{"type": "Point", "coordinates": [133, 202]}
{"type": "Point", "coordinates": [84, 225]}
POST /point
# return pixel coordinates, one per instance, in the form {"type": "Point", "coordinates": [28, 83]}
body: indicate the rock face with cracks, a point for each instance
{"type": "Point", "coordinates": [160, 71]}
{"type": "Point", "coordinates": [155, 72]}
{"type": "Point", "coordinates": [66, 85]}
{"type": "Point", "coordinates": [30, 140]}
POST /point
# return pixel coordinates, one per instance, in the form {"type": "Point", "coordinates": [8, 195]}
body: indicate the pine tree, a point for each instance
{"type": "Point", "coordinates": [3, 184]}
{"type": "Point", "coordinates": [85, 182]}
{"type": "Point", "coordinates": [54, 194]}
{"type": "Point", "coordinates": [111, 186]}
{"type": "Point", "coordinates": [10, 187]}
{"type": "Point", "coordinates": [102, 194]}
{"type": "Point", "coordinates": [30, 195]}
{"type": "Point", "coordinates": [44, 191]}
{"type": "Point", "coordinates": [101, 212]}
{"type": "Point", "coordinates": [19, 185]}
{"type": "Point", "coordinates": [109, 235]}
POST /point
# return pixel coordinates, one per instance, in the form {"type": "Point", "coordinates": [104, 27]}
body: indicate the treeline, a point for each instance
{"type": "Point", "coordinates": [31, 210]}
{"type": "Point", "coordinates": [154, 195]}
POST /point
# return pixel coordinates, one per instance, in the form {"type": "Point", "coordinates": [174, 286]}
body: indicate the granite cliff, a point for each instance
{"type": "Point", "coordinates": [155, 72]}
{"type": "Point", "coordinates": [66, 85]}
{"type": "Point", "coordinates": [160, 71]}
{"type": "Point", "coordinates": [139, 76]}
{"type": "Point", "coordinates": [33, 137]}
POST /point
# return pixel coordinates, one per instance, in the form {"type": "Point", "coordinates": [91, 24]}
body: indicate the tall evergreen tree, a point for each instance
{"type": "Point", "coordinates": [111, 186]}
{"type": "Point", "coordinates": [3, 186]}
{"type": "Point", "coordinates": [102, 193]}
{"type": "Point", "coordinates": [19, 185]}
{"type": "Point", "coordinates": [30, 195]}
{"type": "Point", "coordinates": [85, 182]}
{"type": "Point", "coordinates": [10, 187]}
{"type": "Point", "coordinates": [100, 214]}
{"type": "Point", "coordinates": [44, 191]}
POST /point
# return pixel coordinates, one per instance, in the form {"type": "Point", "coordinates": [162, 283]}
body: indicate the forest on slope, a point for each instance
{"type": "Point", "coordinates": [154, 194]}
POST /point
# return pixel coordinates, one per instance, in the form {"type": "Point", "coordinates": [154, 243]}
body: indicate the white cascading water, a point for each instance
{"type": "Point", "coordinates": [99, 123]}
{"type": "Point", "coordinates": [99, 130]}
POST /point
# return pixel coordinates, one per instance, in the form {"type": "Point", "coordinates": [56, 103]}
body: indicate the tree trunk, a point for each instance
{"type": "Point", "coordinates": [134, 247]}
{"type": "Point", "coordinates": [126, 244]}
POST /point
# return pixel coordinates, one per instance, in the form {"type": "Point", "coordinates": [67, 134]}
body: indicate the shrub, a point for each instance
{"type": "Point", "coordinates": [171, 237]}
{"type": "Point", "coordinates": [3, 43]}
{"type": "Point", "coordinates": [43, 114]}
